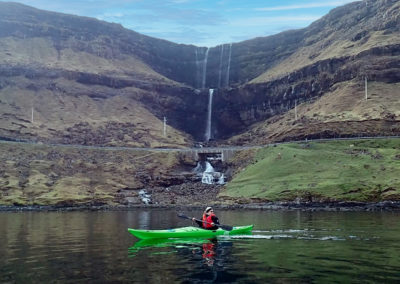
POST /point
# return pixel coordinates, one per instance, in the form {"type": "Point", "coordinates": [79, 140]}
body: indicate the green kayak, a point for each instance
{"type": "Point", "coordinates": [187, 232]}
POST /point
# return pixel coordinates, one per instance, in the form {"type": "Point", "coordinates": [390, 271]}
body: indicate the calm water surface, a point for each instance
{"type": "Point", "coordinates": [285, 247]}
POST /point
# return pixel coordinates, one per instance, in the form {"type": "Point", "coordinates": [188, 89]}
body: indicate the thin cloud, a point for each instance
{"type": "Point", "coordinates": [305, 6]}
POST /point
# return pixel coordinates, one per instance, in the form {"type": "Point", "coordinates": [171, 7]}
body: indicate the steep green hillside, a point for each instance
{"type": "Point", "coordinates": [363, 170]}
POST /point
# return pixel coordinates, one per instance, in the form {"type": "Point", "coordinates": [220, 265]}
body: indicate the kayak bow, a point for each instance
{"type": "Point", "coordinates": [187, 232]}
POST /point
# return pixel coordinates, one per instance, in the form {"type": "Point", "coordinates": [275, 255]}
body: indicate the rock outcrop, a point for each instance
{"type": "Point", "coordinates": [56, 61]}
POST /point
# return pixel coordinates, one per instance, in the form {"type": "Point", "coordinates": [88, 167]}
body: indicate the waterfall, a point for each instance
{"type": "Point", "coordinates": [221, 179]}
{"type": "Point", "coordinates": [209, 116]}
{"type": "Point", "coordinates": [198, 169]}
{"type": "Point", "coordinates": [203, 82]}
{"type": "Point", "coordinates": [229, 65]}
{"type": "Point", "coordinates": [146, 198]}
{"type": "Point", "coordinates": [220, 66]}
{"type": "Point", "coordinates": [198, 74]}
{"type": "Point", "coordinates": [208, 176]}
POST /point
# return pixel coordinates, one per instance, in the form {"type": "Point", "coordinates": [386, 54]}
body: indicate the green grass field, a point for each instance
{"type": "Point", "coordinates": [358, 170]}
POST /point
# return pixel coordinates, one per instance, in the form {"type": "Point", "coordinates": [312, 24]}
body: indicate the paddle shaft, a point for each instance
{"type": "Point", "coordinates": [224, 227]}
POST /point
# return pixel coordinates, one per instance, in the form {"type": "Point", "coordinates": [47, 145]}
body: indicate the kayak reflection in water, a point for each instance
{"type": "Point", "coordinates": [209, 220]}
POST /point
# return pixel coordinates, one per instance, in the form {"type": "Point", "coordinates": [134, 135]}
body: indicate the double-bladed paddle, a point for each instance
{"type": "Point", "coordinates": [223, 227]}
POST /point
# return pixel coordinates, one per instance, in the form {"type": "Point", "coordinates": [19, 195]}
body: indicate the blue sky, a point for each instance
{"type": "Point", "coordinates": [198, 22]}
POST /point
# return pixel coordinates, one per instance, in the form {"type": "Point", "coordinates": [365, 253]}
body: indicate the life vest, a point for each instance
{"type": "Point", "coordinates": [209, 220]}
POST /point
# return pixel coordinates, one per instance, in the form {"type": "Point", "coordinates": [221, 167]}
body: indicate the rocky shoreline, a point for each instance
{"type": "Point", "coordinates": [301, 206]}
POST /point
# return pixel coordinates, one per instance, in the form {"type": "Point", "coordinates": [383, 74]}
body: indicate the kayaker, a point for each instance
{"type": "Point", "coordinates": [209, 220]}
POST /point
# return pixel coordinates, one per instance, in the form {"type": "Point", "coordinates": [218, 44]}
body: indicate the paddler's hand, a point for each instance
{"type": "Point", "coordinates": [193, 219]}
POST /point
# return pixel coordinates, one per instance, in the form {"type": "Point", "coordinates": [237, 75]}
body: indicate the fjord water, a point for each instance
{"type": "Point", "coordinates": [286, 246]}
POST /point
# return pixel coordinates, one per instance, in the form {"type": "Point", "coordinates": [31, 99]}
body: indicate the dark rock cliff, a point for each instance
{"type": "Point", "coordinates": [102, 39]}
{"type": "Point", "coordinates": [350, 29]}
{"type": "Point", "coordinates": [255, 79]}
{"type": "Point", "coordinates": [238, 108]}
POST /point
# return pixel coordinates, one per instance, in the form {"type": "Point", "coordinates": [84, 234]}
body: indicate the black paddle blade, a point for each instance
{"type": "Point", "coordinates": [184, 216]}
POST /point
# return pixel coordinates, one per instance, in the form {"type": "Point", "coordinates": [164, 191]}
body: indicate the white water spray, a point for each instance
{"type": "Point", "coordinates": [208, 174]}
{"type": "Point", "coordinates": [198, 74]}
{"type": "Point", "coordinates": [221, 179]}
{"type": "Point", "coordinates": [203, 82]}
{"type": "Point", "coordinates": [209, 115]}
{"type": "Point", "coordinates": [220, 66]}
{"type": "Point", "coordinates": [144, 196]}
{"type": "Point", "coordinates": [229, 65]}
{"type": "Point", "coordinates": [198, 169]}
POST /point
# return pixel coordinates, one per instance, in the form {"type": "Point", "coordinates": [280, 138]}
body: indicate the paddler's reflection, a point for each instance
{"type": "Point", "coordinates": [210, 252]}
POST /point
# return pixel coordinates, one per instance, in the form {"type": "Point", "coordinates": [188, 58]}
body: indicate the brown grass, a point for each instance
{"type": "Point", "coordinates": [345, 103]}
{"type": "Point", "coordinates": [319, 51]}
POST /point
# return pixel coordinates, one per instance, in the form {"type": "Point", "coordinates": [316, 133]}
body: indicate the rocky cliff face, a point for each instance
{"type": "Point", "coordinates": [238, 108]}
{"type": "Point", "coordinates": [70, 107]}
{"type": "Point", "coordinates": [61, 59]}
{"type": "Point", "coordinates": [97, 38]}
{"type": "Point", "coordinates": [78, 80]}
{"type": "Point", "coordinates": [354, 42]}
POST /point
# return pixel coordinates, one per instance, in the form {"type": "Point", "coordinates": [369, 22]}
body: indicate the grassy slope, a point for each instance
{"type": "Point", "coordinates": [56, 108]}
{"type": "Point", "coordinates": [364, 170]}
{"type": "Point", "coordinates": [41, 52]}
{"type": "Point", "coordinates": [340, 48]}
{"type": "Point", "coordinates": [336, 38]}
{"type": "Point", "coordinates": [346, 102]}
{"type": "Point", "coordinates": [57, 111]}
{"type": "Point", "coordinates": [47, 175]}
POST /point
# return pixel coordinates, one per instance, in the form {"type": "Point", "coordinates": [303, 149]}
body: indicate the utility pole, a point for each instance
{"type": "Point", "coordinates": [165, 126]}
{"type": "Point", "coordinates": [366, 88]}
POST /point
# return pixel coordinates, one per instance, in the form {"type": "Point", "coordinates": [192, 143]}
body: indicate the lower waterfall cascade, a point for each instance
{"type": "Point", "coordinates": [208, 173]}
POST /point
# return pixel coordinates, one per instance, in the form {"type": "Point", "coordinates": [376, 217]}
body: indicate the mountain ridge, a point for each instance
{"type": "Point", "coordinates": [256, 79]}
{"type": "Point", "coordinates": [104, 85]}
